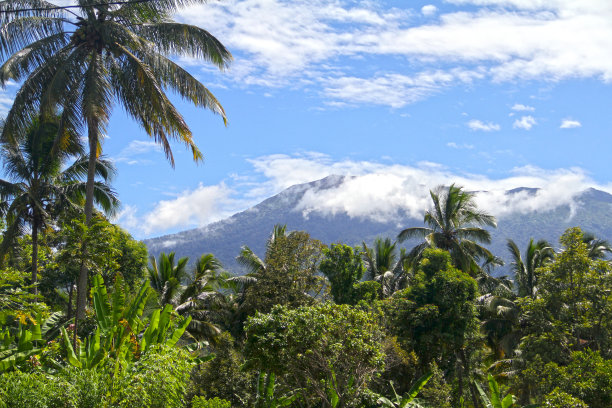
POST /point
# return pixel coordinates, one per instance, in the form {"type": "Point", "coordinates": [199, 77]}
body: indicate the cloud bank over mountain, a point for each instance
{"type": "Point", "coordinates": [377, 191]}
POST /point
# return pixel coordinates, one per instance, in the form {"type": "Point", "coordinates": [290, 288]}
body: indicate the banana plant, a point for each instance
{"type": "Point", "coordinates": [120, 325]}
{"type": "Point", "coordinates": [496, 400]}
{"type": "Point", "coordinates": [265, 397]}
{"type": "Point", "coordinates": [409, 400]}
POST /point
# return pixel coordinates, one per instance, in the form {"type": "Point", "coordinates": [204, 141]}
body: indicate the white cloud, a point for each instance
{"type": "Point", "coordinates": [429, 10]}
{"type": "Point", "coordinates": [394, 90]}
{"type": "Point", "coordinates": [200, 206]}
{"type": "Point", "coordinates": [299, 43]}
{"type": "Point", "coordinates": [476, 124]}
{"type": "Point", "coordinates": [525, 122]}
{"type": "Point", "coordinates": [374, 190]}
{"type": "Point", "coordinates": [130, 154]}
{"type": "Point", "coordinates": [520, 107]}
{"type": "Point", "coordinates": [384, 192]}
{"type": "Point", "coordinates": [454, 145]}
{"type": "Point", "coordinates": [570, 123]}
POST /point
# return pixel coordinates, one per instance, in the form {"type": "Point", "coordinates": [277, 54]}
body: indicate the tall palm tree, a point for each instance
{"type": "Point", "coordinates": [383, 265]}
{"type": "Point", "coordinates": [89, 57]}
{"type": "Point", "coordinates": [41, 182]}
{"type": "Point", "coordinates": [166, 276]}
{"type": "Point", "coordinates": [524, 265]}
{"type": "Point", "coordinates": [454, 224]}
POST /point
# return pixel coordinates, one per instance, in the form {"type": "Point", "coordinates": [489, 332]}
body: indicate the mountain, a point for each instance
{"type": "Point", "coordinates": [589, 210]}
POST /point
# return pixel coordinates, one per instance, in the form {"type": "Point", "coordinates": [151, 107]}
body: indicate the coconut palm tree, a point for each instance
{"type": "Point", "coordinates": [166, 276]}
{"type": "Point", "coordinates": [453, 224]}
{"type": "Point", "coordinates": [384, 266]}
{"type": "Point", "coordinates": [204, 300]}
{"type": "Point", "coordinates": [524, 265]}
{"type": "Point", "coordinates": [598, 248]}
{"type": "Point", "coordinates": [93, 55]}
{"type": "Point", "coordinates": [41, 181]}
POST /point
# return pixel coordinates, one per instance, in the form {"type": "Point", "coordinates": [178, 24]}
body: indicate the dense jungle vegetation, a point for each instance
{"type": "Point", "coordinates": [89, 319]}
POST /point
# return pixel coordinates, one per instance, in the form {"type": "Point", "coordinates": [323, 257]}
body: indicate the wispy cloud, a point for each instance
{"type": "Point", "coordinates": [569, 124]}
{"type": "Point", "coordinates": [476, 124]}
{"type": "Point", "coordinates": [521, 108]}
{"type": "Point", "coordinates": [133, 153]}
{"type": "Point", "coordinates": [525, 122]}
{"type": "Point", "coordinates": [314, 43]}
{"type": "Point", "coordinates": [454, 145]}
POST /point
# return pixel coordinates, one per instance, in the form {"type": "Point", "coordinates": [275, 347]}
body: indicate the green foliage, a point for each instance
{"type": "Point", "coordinates": [343, 267]}
{"type": "Point", "coordinates": [495, 398]}
{"type": "Point", "coordinates": [36, 390]}
{"type": "Point", "coordinates": [265, 393]}
{"type": "Point", "coordinates": [587, 376]}
{"type": "Point", "coordinates": [435, 316]}
{"type": "Point", "coordinates": [158, 380]}
{"type": "Point", "coordinates": [201, 402]}
{"type": "Point", "coordinates": [288, 275]}
{"type": "Point", "coordinates": [560, 399]}
{"type": "Point", "coordinates": [310, 345]}
{"type": "Point", "coordinates": [165, 276]}
{"type": "Point", "coordinates": [118, 335]}
{"type": "Point", "coordinates": [20, 348]}
{"type": "Point", "coordinates": [222, 377]}
{"type": "Point", "coordinates": [408, 400]}
{"type": "Point", "coordinates": [367, 291]}
{"type": "Point", "coordinates": [16, 301]}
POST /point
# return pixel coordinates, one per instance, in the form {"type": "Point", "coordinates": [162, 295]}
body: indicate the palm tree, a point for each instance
{"type": "Point", "coordinates": [39, 182]}
{"type": "Point", "coordinates": [598, 248]}
{"type": "Point", "coordinates": [254, 264]}
{"type": "Point", "coordinates": [203, 299]}
{"type": "Point", "coordinates": [453, 225]}
{"type": "Point", "coordinates": [165, 277]}
{"type": "Point", "coordinates": [384, 266]}
{"type": "Point", "coordinates": [95, 54]}
{"type": "Point", "coordinates": [524, 267]}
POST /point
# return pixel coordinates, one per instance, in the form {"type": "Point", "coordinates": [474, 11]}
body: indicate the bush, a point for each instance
{"type": "Point", "coordinates": [222, 377]}
{"type": "Point", "coordinates": [560, 399]}
{"type": "Point", "coordinates": [158, 380]}
{"type": "Point", "coordinates": [35, 390]}
{"type": "Point", "coordinates": [200, 402]}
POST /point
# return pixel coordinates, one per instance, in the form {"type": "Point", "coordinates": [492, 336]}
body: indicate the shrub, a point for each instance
{"type": "Point", "coordinates": [201, 402]}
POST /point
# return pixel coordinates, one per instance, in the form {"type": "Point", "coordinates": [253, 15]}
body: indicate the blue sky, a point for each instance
{"type": "Point", "coordinates": [406, 95]}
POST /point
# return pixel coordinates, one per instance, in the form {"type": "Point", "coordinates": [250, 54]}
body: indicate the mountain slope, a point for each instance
{"type": "Point", "coordinates": [591, 211]}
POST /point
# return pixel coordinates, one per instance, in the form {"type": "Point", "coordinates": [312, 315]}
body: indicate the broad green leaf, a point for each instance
{"type": "Point", "coordinates": [72, 358]}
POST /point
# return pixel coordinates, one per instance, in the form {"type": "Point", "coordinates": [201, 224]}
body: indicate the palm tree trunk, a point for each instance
{"type": "Point", "coordinates": [92, 126]}
{"type": "Point", "coordinates": [35, 255]}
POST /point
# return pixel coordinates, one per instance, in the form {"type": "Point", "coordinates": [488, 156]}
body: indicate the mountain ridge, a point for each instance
{"type": "Point", "coordinates": [251, 227]}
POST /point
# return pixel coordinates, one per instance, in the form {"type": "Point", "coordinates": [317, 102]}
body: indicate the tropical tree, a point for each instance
{"type": "Point", "coordinates": [41, 181]}
{"type": "Point", "coordinates": [524, 266]}
{"type": "Point", "coordinates": [86, 58]}
{"type": "Point", "coordinates": [343, 267]}
{"type": "Point", "coordinates": [165, 277]}
{"type": "Point", "coordinates": [203, 300]}
{"type": "Point", "coordinates": [384, 266]}
{"type": "Point", "coordinates": [287, 274]}
{"type": "Point", "coordinates": [598, 248]}
{"type": "Point", "coordinates": [454, 224]}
